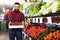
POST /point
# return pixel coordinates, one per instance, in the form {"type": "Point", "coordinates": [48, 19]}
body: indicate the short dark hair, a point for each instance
{"type": "Point", "coordinates": [17, 3]}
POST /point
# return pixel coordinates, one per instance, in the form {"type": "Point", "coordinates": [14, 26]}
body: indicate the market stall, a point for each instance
{"type": "Point", "coordinates": [43, 21]}
{"type": "Point", "coordinates": [45, 30]}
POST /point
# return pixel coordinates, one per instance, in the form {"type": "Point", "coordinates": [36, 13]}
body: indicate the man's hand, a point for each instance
{"type": "Point", "coordinates": [23, 23]}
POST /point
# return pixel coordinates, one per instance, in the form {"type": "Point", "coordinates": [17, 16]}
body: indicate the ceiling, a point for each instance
{"type": "Point", "coordinates": [9, 4]}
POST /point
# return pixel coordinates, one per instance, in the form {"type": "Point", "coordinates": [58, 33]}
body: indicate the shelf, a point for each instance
{"type": "Point", "coordinates": [47, 15]}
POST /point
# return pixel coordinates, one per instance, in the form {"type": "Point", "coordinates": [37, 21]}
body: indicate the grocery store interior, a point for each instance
{"type": "Point", "coordinates": [42, 19]}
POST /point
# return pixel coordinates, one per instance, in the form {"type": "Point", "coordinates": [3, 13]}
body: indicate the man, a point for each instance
{"type": "Point", "coordinates": [16, 18]}
{"type": "Point", "coordinates": [6, 19]}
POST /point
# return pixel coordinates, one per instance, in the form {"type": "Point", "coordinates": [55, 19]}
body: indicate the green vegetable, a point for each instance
{"type": "Point", "coordinates": [40, 11]}
{"type": "Point", "coordinates": [47, 11]}
{"type": "Point", "coordinates": [56, 6]}
{"type": "Point", "coordinates": [34, 9]}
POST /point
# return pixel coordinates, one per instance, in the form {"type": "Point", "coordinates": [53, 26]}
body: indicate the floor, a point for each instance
{"type": "Point", "coordinates": [4, 35]}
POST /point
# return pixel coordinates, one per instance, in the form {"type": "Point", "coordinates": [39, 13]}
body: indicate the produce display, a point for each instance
{"type": "Point", "coordinates": [33, 32]}
{"type": "Point", "coordinates": [42, 32]}
{"type": "Point", "coordinates": [56, 6]}
{"type": "Point", "coordinates": [43, 8]}
{"type": "Point", "coordinates": [21, 7]}
{"type": "Point", "coordinates": [35, 8]}
{"type": "Point", "coordinates": [42, 35]}
{"type": "Point", "coordinates": [53, 36]}
{"type": "Point", "coordinates": [31, 10]}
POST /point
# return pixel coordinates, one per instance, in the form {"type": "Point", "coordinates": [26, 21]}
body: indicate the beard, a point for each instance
{"type": "Point", "coordinates": [16, 10]}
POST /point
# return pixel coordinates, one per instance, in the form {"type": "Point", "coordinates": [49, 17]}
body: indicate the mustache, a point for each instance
{"type": "Point", "coordinates": [16, 10]}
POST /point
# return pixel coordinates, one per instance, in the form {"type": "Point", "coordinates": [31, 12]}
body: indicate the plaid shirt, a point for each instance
{"type": "Point", "coordinates": [15, 17]}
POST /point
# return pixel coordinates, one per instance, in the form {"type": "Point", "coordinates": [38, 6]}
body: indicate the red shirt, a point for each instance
{"type": "Point", "coordinates": [16, 17]}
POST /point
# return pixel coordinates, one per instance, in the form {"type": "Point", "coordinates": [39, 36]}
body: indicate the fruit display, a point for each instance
{"type": "Point", "coordinates": [53, 36]}
{"type": "Point", "coordinates": [42, 35]}
{"type": "Point", "coordinates": [33, 32]}
{"type": "Point", "coordinates": [41, 32]}
{"type": "Point", "coordinates": [56, 34]}
{"type": "Point", "coordinates": [44, 31]}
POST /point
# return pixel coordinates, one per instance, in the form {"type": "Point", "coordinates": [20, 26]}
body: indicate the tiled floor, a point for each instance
{"type": "Point", "coordinates": [4, 35]}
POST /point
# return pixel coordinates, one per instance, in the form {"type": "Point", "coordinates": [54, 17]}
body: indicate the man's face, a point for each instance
{"type": "Point", "coordinates": [16, 6]}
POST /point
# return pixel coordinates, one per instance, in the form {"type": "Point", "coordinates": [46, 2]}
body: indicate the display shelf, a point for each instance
{"type": "Point", "coordinates": [50, 28]}
{"type": "Point", "coordinates": [52, 14]}
{"type": "Point", "coordinates": [50, 18]}
{"type": "Point", "coordinates": [47, 15]}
